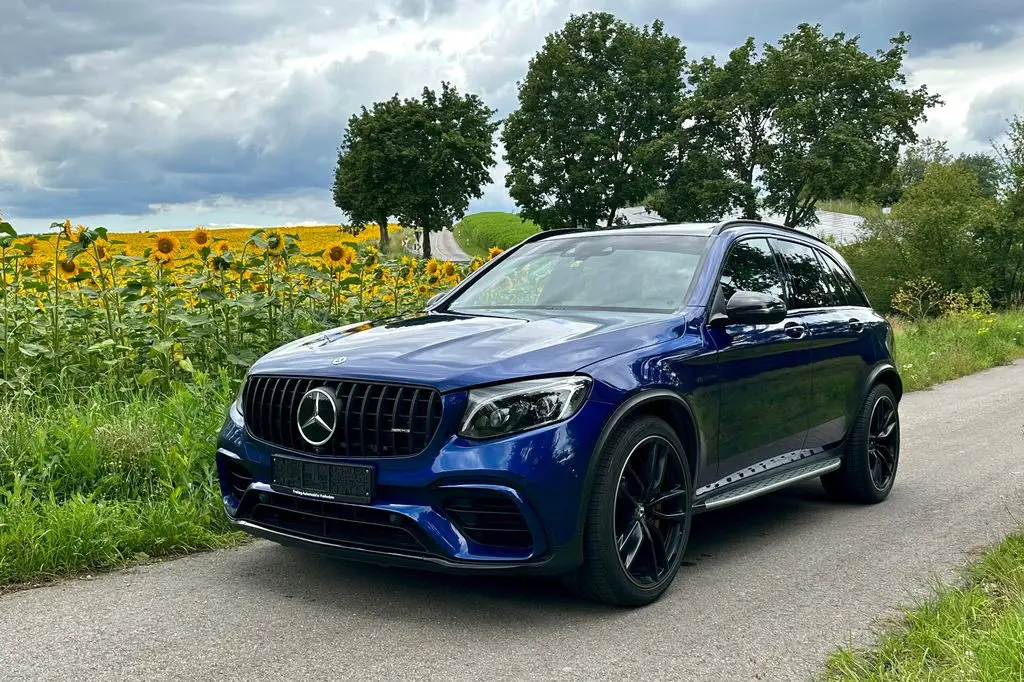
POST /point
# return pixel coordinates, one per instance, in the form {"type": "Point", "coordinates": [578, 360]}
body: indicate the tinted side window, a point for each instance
{"type": "Point", "coordinates": [751, 266]}
{"type": "Point", "coordinates": [808, 282]}
{"type": "Point", "coordinates": [846, 287]}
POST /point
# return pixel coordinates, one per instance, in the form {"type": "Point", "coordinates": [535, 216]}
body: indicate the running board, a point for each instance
{"type": "Point", "coordinates": [768, 484]}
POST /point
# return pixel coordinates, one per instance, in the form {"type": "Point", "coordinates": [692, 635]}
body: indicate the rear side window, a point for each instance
{"type": "Point", "coordinates": [809, 284]}
{"type": "Point", "coordinates": [845, 288]}
{"type": "Point", "coordinates": [751, 266]}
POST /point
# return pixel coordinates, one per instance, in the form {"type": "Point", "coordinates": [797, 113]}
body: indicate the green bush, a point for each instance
{"type": "Point", "coordinates": [479, 232]}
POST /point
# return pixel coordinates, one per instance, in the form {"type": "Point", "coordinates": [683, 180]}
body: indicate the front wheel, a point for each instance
{"type": "Point", "coordinates": [638, 519]}
{"type": "Point", "coordinates": [872, 452]}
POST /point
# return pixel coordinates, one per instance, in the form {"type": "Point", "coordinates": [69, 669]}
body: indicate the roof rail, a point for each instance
{"type": "Point", "coordinates": [744, 222]}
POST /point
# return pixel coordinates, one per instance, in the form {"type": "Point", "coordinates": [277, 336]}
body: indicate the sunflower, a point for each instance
{"type": "Point", "coordinates": [494, 252]}
{"type": "Point", "coordinates": [34, 251]}
{"type": "Point", "coordinates": [449, 270]}
{"type": "Point", "coordinates": [66, 269]}
{"type": "Point", "coordinates": [221, 247]}
{"type": "Point", "coordinates": [372, 258]}
{"type": "Point", "coordinates": [433, 268]}
{"type": "Point", "coordinates": [476, 264]}
{"type": "Point", "coordinates": [102, 247]}
{"type": "Point", "coordinates": [337, 255]}
{"type": "Point", "coordinates": [200, 237]}
{"type": "Point", "coordinates": [423, 290]}
{"type": "Point", "coordinates": [165, 248]}
{"type": "Point", "coordinates": [275, 242]}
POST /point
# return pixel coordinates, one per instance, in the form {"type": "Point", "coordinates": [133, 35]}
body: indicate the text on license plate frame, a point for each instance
{"type": "Point", "coordinates": [332, 481]}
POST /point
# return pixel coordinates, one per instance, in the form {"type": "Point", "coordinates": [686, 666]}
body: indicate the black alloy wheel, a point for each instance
{"type": "Point", "coordinates": [883, 443]}
{"type": "Point", "coordinates": [650, 510]}
{"type": "Point", "coordinates": [871, 455]}
{"type": "Point", "coordinates": [638, 515]}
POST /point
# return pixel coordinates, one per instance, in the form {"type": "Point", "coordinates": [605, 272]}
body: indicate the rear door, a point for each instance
{"type": "Point", "coordinates": [833, 340]}
{"type": "Point", "coordinates": [764, 370]}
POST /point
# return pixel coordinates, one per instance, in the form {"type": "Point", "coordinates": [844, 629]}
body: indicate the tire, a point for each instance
{"type": "Point", "coordinates": [858, 480]}
{"type": "Point", "coordinates": [616, 508]}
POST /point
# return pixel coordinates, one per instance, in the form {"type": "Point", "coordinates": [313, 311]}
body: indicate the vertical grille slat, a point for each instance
{"type": "Point", "coordinates": [375, 419]}
{"type": "Point", "coordinates": [430, 415]}
{"type": "Point", "coordinates": [394, 420]}
{"type": "Point", "coordinates": [345, 437]}
{"type": "Point", "coordinates": [362, 421]}
{"type": "Point", "coordinates": [412, 417]}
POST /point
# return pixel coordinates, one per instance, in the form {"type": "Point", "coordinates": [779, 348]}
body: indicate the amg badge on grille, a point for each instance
{"type": "Point", "coordinates": [317, 416]}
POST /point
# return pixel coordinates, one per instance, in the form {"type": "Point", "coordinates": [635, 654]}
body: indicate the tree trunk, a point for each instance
{"type": "Point", "coordinates": [385, 238]}
{"type": "Point", "coordinates": [426, 243]}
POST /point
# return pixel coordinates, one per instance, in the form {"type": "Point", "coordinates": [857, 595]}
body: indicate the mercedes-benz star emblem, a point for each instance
{"type": "Point", "coordinates": [317, 416]}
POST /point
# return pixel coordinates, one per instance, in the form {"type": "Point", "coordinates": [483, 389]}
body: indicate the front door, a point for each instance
{"type": "Point", "coordinates": [764, 370]}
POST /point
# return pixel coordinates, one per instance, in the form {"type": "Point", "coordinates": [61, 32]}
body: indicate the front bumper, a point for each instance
{"type": "Point", "coordinates": [507, 506]}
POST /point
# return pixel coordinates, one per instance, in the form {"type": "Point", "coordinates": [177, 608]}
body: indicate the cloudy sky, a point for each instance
{"type": "Point", "coordinates": [144, 114]}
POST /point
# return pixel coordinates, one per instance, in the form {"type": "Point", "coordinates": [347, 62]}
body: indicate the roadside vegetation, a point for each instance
{"type": "Point", "coordinates": [477, 233]}
{"type": "Point", "coordinates": [972, 632]}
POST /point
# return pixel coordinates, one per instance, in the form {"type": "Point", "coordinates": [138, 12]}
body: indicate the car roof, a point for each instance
{"type": "Point", "coordinates": [703, 229]}
{"type": "Point", "coordinates": [693, 229]}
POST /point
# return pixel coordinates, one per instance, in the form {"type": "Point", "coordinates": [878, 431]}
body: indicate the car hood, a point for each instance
{"type": "Point", "coordinates": [452, 351]}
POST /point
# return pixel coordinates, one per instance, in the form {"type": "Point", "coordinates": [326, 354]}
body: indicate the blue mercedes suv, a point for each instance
{"type": "Point", "coordinates": [570, 406]}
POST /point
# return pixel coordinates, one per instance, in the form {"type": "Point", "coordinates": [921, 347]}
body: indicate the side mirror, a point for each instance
{"type": "Point", "coordinates": [435, 298]}
{"type": "Point", "coordinates": [754, 307]}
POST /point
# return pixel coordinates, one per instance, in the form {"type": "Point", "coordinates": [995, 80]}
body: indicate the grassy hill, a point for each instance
{"type": "Point", "coordinates": [478, 232]}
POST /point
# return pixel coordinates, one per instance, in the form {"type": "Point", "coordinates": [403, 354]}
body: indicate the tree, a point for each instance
{"type": "Point", "coordinates": [365, 181]}
{"type": "Point", "coordinates": [813, 117]}
{"type": "Point", "coordinates": [986, 169]}
{"type": "Point", "coordinates": [596, 95]}
{"type": "Point", "coordinates": [941, 229]}
{"type": "Point", "coordinates": [449, 149]}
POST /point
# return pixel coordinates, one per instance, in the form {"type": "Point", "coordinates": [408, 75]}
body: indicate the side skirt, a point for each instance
{"type": "Point", "coordinates": [752, 487]}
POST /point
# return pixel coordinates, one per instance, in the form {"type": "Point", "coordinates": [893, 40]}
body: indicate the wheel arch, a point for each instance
{"type": "Point", "coordinates": [659, 402]}
{"type": "Point", "coordinates": [885, 374]}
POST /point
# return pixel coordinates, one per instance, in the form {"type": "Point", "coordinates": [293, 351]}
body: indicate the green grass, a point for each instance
{"type": "Point", "coordinates": [974, 631]}
{"type": "Point", "coordinates": [851, 208]}
{"type": "Point", "coordinates": [478, 232]}
{"type": "Point", "coordinates": [103, 480]}
{"type": "Point", "coordinates": [937, 350]}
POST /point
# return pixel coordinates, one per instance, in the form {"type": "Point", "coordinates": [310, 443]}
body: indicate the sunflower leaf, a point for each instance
{"type": "Point", "coordinates": [8, 229]}
{"type": "Point", "coordinates": [147, 376]}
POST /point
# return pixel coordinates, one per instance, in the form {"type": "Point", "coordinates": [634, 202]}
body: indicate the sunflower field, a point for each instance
{"type": "Point", "coordinates": [84, 305]}
{"type": "Point", "coordinates": [119, 354]}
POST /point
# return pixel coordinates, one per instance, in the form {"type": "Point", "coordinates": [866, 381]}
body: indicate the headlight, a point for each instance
{"type": "Point", "coordinates": [510, 408]}
{"type": "Point", "coordinates": [238, 397]}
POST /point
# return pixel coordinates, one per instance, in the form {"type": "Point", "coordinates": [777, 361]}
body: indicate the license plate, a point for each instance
{"type": "Point", "coordinates": [322, 480]}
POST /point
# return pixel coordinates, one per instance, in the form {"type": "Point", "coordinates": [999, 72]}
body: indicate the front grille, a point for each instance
{"type": "Point", "coordinates": [238, 478]}
{"type": "Point", "coordinates": [340, 524]}
{"type": "Point", "coordinates": [374, 419]}
{"type": "Point", "coordinates": [490, 519]}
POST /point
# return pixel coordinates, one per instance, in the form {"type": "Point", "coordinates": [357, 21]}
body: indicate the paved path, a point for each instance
{"type": "Point", "coordinates": [444, 247]}
{"type": "Point", "coordinates": [772, 586]}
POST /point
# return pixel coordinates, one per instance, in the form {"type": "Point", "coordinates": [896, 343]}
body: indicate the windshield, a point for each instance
{"type": "Point", "coordinates": [618, 272]}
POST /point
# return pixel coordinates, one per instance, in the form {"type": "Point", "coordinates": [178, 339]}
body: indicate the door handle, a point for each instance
{"type": "Point", "coordinates": [795, 330]}
{"type": "Point", "coordinates": [856, 326]}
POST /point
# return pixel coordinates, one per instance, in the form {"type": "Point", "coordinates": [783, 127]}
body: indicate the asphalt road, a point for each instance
{"type": "Point", "coordinates": [770, 587]}
{"type": "Point", "coordinates": [444, 247]}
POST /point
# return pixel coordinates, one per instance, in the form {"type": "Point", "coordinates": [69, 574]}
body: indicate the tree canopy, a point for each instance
{"type": "Point", "coordinates": [420, 159]}
{"type": "Point", "coordinates": [448, 156]}
{"type": "Point", "coordinates": [595, 98]}
{"type": "Point", "coordinates": [811, 118]}
{"type": "Point", "coordinates": [365, 178]}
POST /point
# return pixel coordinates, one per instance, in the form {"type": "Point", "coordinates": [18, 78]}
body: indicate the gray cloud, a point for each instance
{"type": "Point", "coordinates": [113, 106]}
{"type": "Point", "coordinates": [987, 118]}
